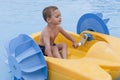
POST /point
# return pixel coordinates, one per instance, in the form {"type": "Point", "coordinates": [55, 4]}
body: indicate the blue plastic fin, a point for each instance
{"type": "Point", "coordinates": [14, 78]}
{"type": "Point", "coordinates": [14, 67]}
{"type": "Point", "coordinates": [35, 63]}
{"type": "Point", "coordinates": [106, 20]}
{"type": "Point", "coordinates": [12, 44]}
{"type": "Point", "coordinates": [100, 15]}
{"type": "Point", "coordinates": [37, 75]}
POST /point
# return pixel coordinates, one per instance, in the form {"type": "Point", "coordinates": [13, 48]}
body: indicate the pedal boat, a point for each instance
{"type": "Point", "coordinates": [97, 59]}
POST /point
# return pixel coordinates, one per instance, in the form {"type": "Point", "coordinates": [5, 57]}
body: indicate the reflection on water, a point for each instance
{"type": "Point", "coordinates": [24, 16]}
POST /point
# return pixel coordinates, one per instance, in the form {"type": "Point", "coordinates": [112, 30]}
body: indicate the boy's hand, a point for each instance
{"type": "Point", "coordinates": [75, 45]}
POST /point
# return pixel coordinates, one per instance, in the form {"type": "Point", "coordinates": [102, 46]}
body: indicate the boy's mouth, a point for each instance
{"type": "Point", "coordinates": [60, 21]}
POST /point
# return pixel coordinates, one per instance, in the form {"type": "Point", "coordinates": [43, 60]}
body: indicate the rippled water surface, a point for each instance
{"type": "Point", "coordinates": [24, 16]}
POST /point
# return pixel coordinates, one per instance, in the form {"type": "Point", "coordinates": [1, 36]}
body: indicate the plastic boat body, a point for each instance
{"type": "Point", "coordinates": [97, 59]}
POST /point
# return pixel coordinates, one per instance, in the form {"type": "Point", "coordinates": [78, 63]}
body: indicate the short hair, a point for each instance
{"type": "Point", "coordinates": [47, 12]}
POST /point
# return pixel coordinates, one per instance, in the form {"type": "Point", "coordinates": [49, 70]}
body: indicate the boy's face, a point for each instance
{"type": "Point", "coordinates": [55, 17]}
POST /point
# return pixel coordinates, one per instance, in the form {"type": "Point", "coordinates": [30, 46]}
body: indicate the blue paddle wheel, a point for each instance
{"type": "Point", "coordinates": [92, 22]}
{"type": "Point", "coordinates": [25, 59]}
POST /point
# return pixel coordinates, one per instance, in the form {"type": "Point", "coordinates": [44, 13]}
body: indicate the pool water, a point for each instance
{"type": "Point", "coordinates": [24, 16]}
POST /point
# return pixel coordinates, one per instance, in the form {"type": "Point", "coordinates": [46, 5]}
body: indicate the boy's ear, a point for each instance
{"type": "Point", "coordinates": [48, 19]}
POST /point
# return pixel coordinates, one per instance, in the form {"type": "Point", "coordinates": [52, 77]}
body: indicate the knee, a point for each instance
{"type": "Point", "coordinates": [64, 45]}
{"type": "Point", "coordinates": [54, 48]}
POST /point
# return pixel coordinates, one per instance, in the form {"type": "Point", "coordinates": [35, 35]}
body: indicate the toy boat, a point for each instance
{"type": "Point", "coordinates": [97, 59]}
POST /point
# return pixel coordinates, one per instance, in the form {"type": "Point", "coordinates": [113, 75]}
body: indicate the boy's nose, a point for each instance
{"type": "Point", "coordinates": [60, 18]}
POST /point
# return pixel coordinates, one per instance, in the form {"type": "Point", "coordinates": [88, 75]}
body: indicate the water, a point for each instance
{"type": "Point", "coordinates": [24, 16]}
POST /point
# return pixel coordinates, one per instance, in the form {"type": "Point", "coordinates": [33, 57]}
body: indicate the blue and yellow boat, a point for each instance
{"type": "Point", "coordinates": [97, 59]}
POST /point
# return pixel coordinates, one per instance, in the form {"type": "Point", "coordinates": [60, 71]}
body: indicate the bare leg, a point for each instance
{"type": "Point", "coordinates": [63, 48]}
{"type": "Point", "coordinates": [55, 52]}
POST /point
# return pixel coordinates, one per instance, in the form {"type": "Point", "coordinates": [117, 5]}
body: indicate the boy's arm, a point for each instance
{"type": "Point", "coordinates": [75, 44]}
{"type": "Point", "coordinates": [66, 34]}
{"type": "Point", "coordinates": [46, 40]}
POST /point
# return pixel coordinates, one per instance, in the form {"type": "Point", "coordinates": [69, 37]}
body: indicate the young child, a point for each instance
{"type": "Point", "coordinates": [52, 16]}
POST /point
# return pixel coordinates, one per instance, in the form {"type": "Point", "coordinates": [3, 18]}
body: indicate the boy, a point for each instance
{"type": "Point", "coordinates": [52, 16]}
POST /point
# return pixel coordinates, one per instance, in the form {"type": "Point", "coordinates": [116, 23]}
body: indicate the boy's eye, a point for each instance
{"type": "Point", "coordinates": [58, 16]}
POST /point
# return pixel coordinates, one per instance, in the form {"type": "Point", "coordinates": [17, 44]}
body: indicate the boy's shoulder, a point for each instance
{"type": "Point", "coordinates": [45, 29]}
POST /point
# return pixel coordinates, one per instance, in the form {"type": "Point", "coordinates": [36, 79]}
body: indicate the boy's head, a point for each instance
{"type": "Point", "coordinates": [47, 12]}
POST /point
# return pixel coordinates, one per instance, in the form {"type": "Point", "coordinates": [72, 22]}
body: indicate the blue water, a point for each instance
{"type": "Point", "coordinates": [24, 16]}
